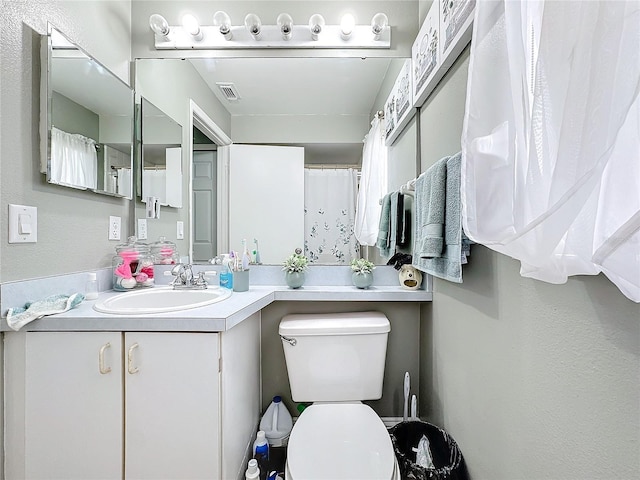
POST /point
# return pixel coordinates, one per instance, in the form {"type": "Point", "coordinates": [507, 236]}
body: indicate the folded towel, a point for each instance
{"type": "Point", "coordinates": [449, 265]}
{"type": "Point", "coordinates": [384, 225]}
{"type": "Point", "coordinates": [430, 210]}
{"type": "Point", "coordinates": [19, 317]}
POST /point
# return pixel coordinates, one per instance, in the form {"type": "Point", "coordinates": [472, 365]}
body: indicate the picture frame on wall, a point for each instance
{"type": "Point", "coordinates": [456, 18]}
{"type": "Point", "coordinates": [398, 109]}
{"type": "Point", "coordinates": [444, 34]}
{"type": "Point", "coordinates": [425, 55]}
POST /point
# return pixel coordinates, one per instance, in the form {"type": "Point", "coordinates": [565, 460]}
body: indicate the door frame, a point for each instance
{"type": "Point", "coordinates": [198, 118]}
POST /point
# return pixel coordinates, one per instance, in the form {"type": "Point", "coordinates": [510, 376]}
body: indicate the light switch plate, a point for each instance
{"type": "Point", "coordinates": [142, 228]}
{"type": "Point", "coordinates": [180, 230]}
{"type": "Point", "coordinates": [115, 224]}
{"type": "Point", "coordinates": [23, 224]}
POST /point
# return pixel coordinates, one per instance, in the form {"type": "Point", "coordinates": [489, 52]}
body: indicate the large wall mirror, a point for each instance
{"type": "Point", "coordinates": [324, 105]}
{"type": "Point", "coordinates": [161, 160]}
{"type": "Point", "coordinates": [86, 120]}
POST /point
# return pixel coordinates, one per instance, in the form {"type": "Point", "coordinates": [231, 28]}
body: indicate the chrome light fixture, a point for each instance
{"type": "Point", "coordinates": [253, 24]}
{"type": "Point", "coordinates": [316, 23]}
{"type": "Point", "coordinates": [222, 35]}
{"type": "Point", "coordinates": [191, 25]}
{"type": "Point", "coordinates": [285, 24]}
{"type": "Point", "coordinates": [223, 21]}
{"type": "Point", "coordinates": [347, 23]}
{"type": "Point", "coordinates": [159, 25]}
{"type": "Point", "coordinates": [378, 23]}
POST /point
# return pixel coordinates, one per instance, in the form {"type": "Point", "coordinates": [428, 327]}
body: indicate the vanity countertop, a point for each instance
{"type": "Point", "coordinates": [217, 317]}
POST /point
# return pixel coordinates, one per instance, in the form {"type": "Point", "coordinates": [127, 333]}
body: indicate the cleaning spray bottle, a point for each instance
{"type": "Point", "coordinates": [253, 472]}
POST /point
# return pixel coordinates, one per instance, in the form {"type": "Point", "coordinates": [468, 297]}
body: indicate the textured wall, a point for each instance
{"type": "Point", "coordinates": [533, 380]}
{"type": "Point", "coordinates": [72, 224]}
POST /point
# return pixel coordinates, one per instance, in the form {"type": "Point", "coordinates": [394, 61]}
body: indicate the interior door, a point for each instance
{"type": "Point", "coordinates": [205, 215]}
{"type": "Point", "coordinates": [266, 199]}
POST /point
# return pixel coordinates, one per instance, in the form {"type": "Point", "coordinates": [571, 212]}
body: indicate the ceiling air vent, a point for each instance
{"type": "Point", "coordinates": [229, 91]}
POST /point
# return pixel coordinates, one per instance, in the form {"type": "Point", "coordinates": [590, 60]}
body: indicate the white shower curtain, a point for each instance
{"type": "Point", "coordinates": [329, 215]}
{"type": "Point", "coordinates": [74, 161]}
{"type": "Point", "coordinates": [551, 139]}
{"type": "Point", "coordinates": [124, 182]}
{"type": "Point", "coordinates": [373, 184]}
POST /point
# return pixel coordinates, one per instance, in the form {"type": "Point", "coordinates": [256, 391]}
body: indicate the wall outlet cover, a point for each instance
{"type": "Point", "coordinates": [115, 224]}
{"type": "Point", "coordinates": [142, 228]}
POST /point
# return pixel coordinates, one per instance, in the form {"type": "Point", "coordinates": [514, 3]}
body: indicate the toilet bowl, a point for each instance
{"type": "Point", "coordinates": [336, 361]}
{"type": "Point", "coordinates": [340, 441]}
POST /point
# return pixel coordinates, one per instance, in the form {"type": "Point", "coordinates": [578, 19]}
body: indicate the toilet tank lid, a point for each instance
{"type": "Point", "coordinates": [349, 323]}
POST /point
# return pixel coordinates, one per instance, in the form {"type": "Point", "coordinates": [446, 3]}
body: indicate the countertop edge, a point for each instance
{"type": "Point", "coordinates": [218, 317]}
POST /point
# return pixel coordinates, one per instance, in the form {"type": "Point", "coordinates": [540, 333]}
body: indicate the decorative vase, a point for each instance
{"type": "Point", "coordinates": [294, 279]}
{"type": "Point", "coordinates": [362, 280]}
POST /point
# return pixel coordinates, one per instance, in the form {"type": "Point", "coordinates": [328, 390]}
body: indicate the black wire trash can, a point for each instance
{"type": "Point", "coordinates": [447, 457]}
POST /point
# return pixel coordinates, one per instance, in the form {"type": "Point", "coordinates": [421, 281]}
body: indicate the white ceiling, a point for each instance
{"type": "Point", "coordinates": [297, 86]}
{"type": "Point", "coordinates": [300, 86]}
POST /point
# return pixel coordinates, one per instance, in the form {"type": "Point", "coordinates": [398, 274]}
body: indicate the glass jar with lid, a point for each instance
{"type": "Point", "coordinates": [132, 266]}
{"type": "Point", "coordinates": [164, 252]}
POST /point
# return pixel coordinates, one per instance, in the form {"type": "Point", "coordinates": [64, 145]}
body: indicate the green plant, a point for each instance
{"type": "Point", "coordinates": [296, 262]}
{"type": "Point", "coordinates": [362, 265]}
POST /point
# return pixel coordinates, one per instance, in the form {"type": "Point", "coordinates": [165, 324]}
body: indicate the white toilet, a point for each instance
{"type": "Point", "coordinates": [335, 361]}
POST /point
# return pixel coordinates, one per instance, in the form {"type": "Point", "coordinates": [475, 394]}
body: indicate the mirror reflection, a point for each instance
{"type": "Point", "coordinates": [324, 105]}
{"type": "Point", "coordinates": [161, 141]}
{"type": "Point", "coordinates": [87, 121]}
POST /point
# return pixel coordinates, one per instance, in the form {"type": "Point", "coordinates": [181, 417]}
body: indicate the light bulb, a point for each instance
{"type": "Point", "coordinates": [191, 25]}
{"type": "Point", "coordinates": [253, 24]}
{"type": "Point", "coordinates": [316, 22]}
{"type": "Point", "coordinates": [378, 24]}
{"type": "Point", "coordinates": [346, 25]}
{"type": "Point", "coordinates": [285, 22]}
{"type": "Point", "coordinates": [159, 25]}
{"type": "Point", "coordinates": [222, 20]}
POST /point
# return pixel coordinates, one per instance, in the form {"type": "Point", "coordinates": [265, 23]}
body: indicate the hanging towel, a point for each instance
{"type": "Point", "coordinates": [384, 226]}
{"type": "Point", "coordinates": [449, 265]}
{"type": "Point", "coordinates": [19, 317]}
{"type": "Point", "coordinates": [430, 210]}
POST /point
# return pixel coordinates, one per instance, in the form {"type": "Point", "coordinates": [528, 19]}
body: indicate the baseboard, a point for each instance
{"type": "Point", "coordinates": [391, 421]}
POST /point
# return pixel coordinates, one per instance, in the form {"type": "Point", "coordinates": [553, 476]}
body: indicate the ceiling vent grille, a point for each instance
{"type": "Point", "coordinates": [229, 91]}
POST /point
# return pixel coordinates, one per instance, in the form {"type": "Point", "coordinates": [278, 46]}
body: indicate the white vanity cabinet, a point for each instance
{"type": "Point", "coordinates": [133, 405]}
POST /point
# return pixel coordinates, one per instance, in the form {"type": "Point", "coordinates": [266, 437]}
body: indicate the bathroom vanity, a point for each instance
{"type": "Point", "coordinates": [170, 395]}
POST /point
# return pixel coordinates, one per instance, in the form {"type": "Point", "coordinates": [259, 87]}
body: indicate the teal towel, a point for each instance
{"type": "Point", "coordinates": [384, 226]}
{"type": "Point", "coordinates": [19, 317]}
{"type": "Point", "coordinates": [448, 266]}
{"type": "Point", "coordinates": [430, 211]}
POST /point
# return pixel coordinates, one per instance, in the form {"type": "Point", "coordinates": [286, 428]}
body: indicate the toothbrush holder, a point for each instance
{"type": "Point", "coordinates": [241, 280]}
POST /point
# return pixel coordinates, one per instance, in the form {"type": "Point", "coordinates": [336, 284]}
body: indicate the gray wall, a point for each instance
{"type": "Point", "coordinates": [533, 380]}
{"type": "Point", "coordinates": [72, 224]}
{"type": "Point", "coordinates": [72, 117]}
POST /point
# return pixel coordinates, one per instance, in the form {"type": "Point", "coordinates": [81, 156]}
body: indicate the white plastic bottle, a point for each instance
{"type": "Point", "coordinates": [261, 447]}
{"type": "Point", "coordinates": [91, 289]}
{"type": "Point", "coordinates": [277, 423]}
{"type": "Point", "coordinates": [253, 472]}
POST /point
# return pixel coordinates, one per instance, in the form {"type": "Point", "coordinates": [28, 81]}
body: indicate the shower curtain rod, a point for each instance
{"type": "Point", "coordinates": [331, 165]}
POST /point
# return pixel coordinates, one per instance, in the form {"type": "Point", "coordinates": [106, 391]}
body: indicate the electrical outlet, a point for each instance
{"type": "Point", "coordinates": [142, 228]}
{"type": "Point", "coordinates": [114, 228]}
{"type": "Point", "coordinates": [180, 230]}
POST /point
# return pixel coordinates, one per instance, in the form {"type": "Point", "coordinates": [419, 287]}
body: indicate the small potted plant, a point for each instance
{"type": "Point", "coordinates": [362, 276]}
{"type": "Point", "coordinates": [294, 267]}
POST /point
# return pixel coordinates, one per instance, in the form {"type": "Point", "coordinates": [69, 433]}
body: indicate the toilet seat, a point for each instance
{"type": "Point", "coordinates": [341, 441]}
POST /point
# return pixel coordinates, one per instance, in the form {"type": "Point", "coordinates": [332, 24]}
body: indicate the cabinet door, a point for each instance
{"type": "Point", "coordinates": [72, 410]}
{"type": "Point", "coordinates": [172, 406]}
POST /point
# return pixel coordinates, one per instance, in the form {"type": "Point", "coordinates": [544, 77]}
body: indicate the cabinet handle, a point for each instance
{"type": "Point", "coordinates": [103, 370]}
{"type": "Point", "coordinates": [130, 366]}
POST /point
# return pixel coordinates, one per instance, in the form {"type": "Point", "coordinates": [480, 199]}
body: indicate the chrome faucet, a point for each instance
{"type": "Point", "coordinates": [185, 278]}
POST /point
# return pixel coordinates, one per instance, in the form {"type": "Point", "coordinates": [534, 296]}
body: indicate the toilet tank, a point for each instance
{"type": "Point", "coordinates": [335, 357]}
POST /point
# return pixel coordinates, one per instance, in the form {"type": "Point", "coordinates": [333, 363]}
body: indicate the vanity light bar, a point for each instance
{"type": "Point", "coordinates": [179, 37]}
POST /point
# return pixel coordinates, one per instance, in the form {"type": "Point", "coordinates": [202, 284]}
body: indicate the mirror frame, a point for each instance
{"type": "Point", "coordinates": [46, 110]}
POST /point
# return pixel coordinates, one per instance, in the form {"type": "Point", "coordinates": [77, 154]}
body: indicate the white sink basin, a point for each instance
{"type": "Point", "coordinates": [160, 300]}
